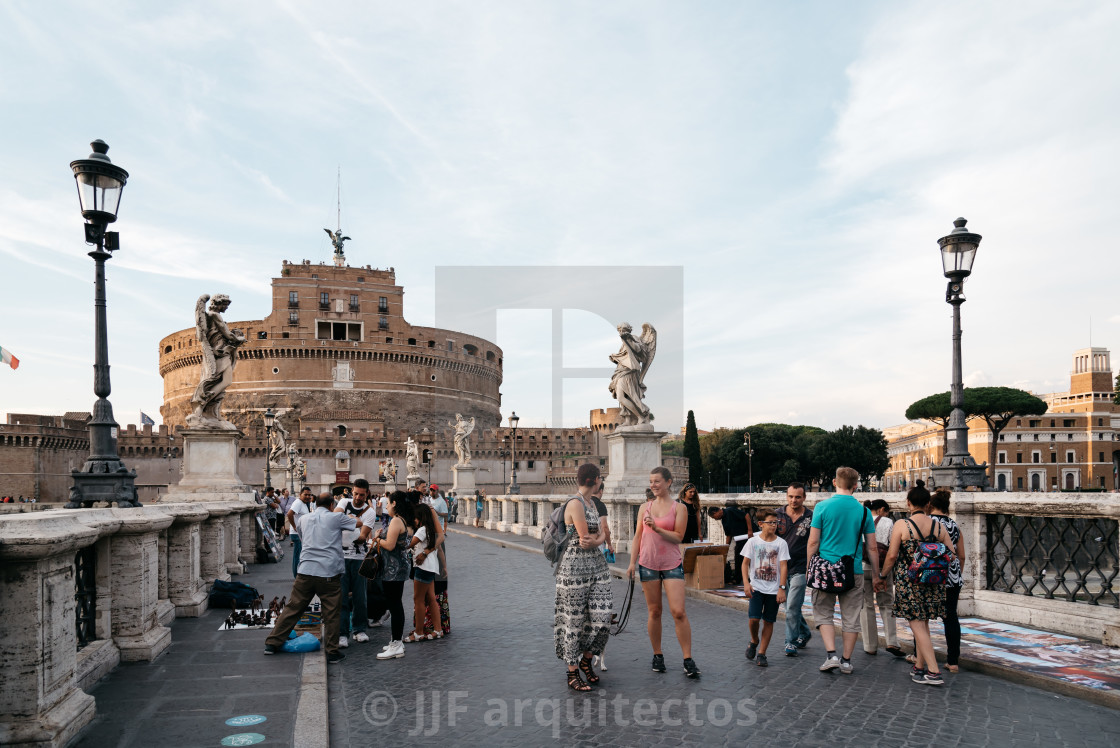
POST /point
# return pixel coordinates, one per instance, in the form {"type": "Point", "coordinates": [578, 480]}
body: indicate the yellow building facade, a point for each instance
{"type": "Point", "coordinates": [1074, 446]}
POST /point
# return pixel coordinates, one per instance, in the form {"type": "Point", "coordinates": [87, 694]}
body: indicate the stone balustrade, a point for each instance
{"type": "Point", "coordinates": [84, 589]}
{"type": "Point", "coordinates": [1046, 560]}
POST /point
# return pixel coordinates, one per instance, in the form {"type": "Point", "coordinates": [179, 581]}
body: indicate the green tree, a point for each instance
{"type": "Point", "coordinates": [996, 405]}
{"type": "Point", "coordinates": [861, 448]}
{"type": "Point", "coordinates": [692, 450]}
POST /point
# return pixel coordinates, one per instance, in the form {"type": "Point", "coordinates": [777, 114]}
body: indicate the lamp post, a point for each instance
{"type": "Point", "coordinates": [503, 453]}
{"type": "Point", "coordinates": [728, 480]}
{"type": "Point", "coordinates": [103, 477]}
{"type": "Point", "coordinates": [514, 489]}
{"type": "Point", "coordinates": [750, 460]}
{"type": "Point", "coordinates": [958, 469]}
{"type": "Point", "coordinates": [269, 422]}
{"type": "Point", "coordinates": [709, 481]}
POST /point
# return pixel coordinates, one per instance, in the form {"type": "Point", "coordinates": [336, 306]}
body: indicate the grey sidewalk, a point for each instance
{"type": "Point", "coordinates": [207, 676]}
{"type": "Point", "coordinates": [496, 681]}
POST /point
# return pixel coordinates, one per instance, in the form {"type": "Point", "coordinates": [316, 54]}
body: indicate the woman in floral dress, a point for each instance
{"type": "Point", "coordinates": [917, 603]}
{"type": "Point", "coordinates": [583, 585]}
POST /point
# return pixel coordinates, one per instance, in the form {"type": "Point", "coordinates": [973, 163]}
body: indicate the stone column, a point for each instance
{"type": "Point", "coordinates": [212, 550]}
{"type": "Point", "coordinates": [632, 451]}
{"type": "Point", "coordinates": [962, 507]}
{"type": "Point", "coordinates": [185, 587]}
{"type": "Point", "coordinates": [233, 540]}
{"type": "Point", "coordinates": [524, 517]}
{"type": "Point", "coordinates": [505, 515]}
{"type": "Point", "coordinates": [249, 536]}
{"type": "Point", "coordinates": [40, 702]}
{"type": "Point", "coordinates": [165, 610]}
{"type": "Point", "coordinates": [494, 517]}
{"type": "Point", "coordinates": [134, 565]}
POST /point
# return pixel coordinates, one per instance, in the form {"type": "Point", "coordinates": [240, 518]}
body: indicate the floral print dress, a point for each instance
{"type": "Point", "coordinates": [915, 602]}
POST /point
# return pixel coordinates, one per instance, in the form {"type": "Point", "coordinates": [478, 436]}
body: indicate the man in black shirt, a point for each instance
{"type": "Point", "coordinates": [794, 522]}
{"type": "Point", "coordinates": [736, 523]}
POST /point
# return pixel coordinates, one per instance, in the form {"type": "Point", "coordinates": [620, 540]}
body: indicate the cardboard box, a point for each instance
{"type": "Point", "coordinates": [705, 568]}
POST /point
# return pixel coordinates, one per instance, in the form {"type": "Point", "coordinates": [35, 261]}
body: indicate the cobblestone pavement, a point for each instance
{"type": "Point", "coordinates": [496, 681]}
{"type": "Point", "coordinates": [206, 677]}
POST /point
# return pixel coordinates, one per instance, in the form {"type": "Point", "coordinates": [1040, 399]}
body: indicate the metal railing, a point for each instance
{"type": "Point", "coordinates": [1056, 558]}
{"type": "Point", "coordinates": [85, 595]}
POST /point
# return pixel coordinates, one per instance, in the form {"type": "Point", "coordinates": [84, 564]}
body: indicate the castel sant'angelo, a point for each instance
{"type": "Point", "coordinates": [348, 377]}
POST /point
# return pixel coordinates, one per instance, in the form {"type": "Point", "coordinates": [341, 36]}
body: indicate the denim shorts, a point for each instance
{"type": "Point", "coordinates": [764, 606]}
{"type": "Point", "coordinates": [422, 576]}
{"type": "Point", "coordinates": [653, 575]}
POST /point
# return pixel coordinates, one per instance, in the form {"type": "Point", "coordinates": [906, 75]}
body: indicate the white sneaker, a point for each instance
{"type": "Point", "coordinates": [830, 663]}
{"type": "Point", "coordinates": [361, 637]}
{"type": "Point", "coordinates": [343, 642]}
{"type": "Point", "coordinates": [393, 651]}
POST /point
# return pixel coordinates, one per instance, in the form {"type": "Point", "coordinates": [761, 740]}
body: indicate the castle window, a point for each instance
{"type": "Point", "coordinates": [383, 305]}
{"type": "Point", "coordinates": [383, 323]}
{"type": "Point", "coordinates": [342, 430]}
{"type": "Point", "coordinates": [167, 349]}
{"type": "Point", "coordinates": [1053, 457]}
{"type": "Point", "coordinates": [293, 298]}
{"type": "Point", "coordinates": [284, 334]}
{"type": "Point", "coordinates": [361, 280]}
{"type": "Point", "coordinates": [324, 300]}
{"type": "Point", "coordinates": [1036, 437]}
{"type": "Point", "coordinates": [431, 344]}
{"type": "Point", "coordinates": [327, 330]}
{"type": "Point", "coordinates": [1018, 457]}
{"type": "Point", "coordinates": [1068, 422]}
{"type": "Point", "coordinates": [354, 307]}
{"type": "Point", "coordinates": [1034, 424]}
{"type": "Point", "coordinates": [262, 335]}
{"type": "Point", "coordinates": [470, 350]}
{"type": "Point", "coordinates": [293, 318]}
{"type": "Point", "coordinates": [412, 341]}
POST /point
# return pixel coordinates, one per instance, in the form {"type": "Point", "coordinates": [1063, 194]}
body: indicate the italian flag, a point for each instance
{"type": "Point", "coordinates": [7, 358]}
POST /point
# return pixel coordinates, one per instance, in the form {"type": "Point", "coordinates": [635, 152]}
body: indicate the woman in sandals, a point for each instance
{"type": "Point", "coordinates": [583, 585]}
{"type": "Point", "coordinates": [425, 541]}
{"type": "Point", "coordinates": [939, 510]}
{"type": "Point", "coordinates": [917, 603]}
{"type": "Point", "coordinates": [656, 550]}
{"type": "Point", "coordinates": [393, 542]}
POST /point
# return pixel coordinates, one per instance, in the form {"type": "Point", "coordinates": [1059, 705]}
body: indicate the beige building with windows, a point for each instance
{"type": "Point", "coordinates": [1074, 446]}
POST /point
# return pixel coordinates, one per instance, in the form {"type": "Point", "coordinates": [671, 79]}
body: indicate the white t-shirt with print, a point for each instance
{"type": "Point", "coordinates": [883, 528]}
{"type": "Point", "coordinates": [766, 563]}
{"type": "Point", "coordinates": [367, 516]}
{"type": "Point", "coordinates": [299, 509]}
{"type": "Point", "coordinates": [431, 561]}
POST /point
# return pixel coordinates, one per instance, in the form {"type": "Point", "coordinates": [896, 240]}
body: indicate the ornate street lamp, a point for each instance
{"type": "Point", "coordinates": [958, 470]}
{"type": "Point", "coordinates": [269, 422]}
{"type": "Point", "coordinates": [514, 489]}
{"type": "Point", "coordinates": [292, 469]}
{"type": "Point", "coordinates": [750, 460]}
{"type": "Point", "coordinates": [103, 477]}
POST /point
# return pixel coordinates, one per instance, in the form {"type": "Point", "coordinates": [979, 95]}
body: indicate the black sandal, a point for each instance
{"type": "Point", "coordinates": [585, 667]}
{"type": "Point", "coordinates": [575, 682]}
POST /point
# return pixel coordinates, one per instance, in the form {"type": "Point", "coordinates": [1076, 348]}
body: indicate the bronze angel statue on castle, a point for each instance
{"type": "Point", "coordinates": [631, 364]}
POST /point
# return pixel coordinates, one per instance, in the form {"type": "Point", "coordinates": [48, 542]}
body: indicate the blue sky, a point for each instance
{"type": "Point", "coordinates": [799, 161]}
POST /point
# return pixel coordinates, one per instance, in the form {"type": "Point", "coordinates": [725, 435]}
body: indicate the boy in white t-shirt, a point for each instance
{"type": "Point", "coordinates": [765, 579]}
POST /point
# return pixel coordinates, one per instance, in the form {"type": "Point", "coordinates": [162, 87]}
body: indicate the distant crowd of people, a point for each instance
{"type": "Point", "coordinates": [333, 535]}
{"type": "Point", "coordinates": [844, 553]}
{"type": "Point", "coordinates": [21, 500]}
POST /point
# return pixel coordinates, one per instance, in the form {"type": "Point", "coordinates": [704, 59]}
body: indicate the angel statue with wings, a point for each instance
{"type": "Point", "coordinates": [463, 430]}
{"type": "Point", "coordinates": [337, 240]}
{"type": "Point", "coordinates": [277, 443]}
{"type": "Point", "coordinates": [631, 364]}
{"type": "Point", "coordinates": [219, 354]}
{"type": "Point", "coordinates": [412, 459]}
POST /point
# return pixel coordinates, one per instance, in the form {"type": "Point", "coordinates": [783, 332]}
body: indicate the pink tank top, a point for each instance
{"type": "Point", "coordinates": [656, 552]}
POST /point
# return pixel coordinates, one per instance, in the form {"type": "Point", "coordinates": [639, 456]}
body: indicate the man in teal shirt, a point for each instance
{"type": "Point", "coordinates": [841, 526]}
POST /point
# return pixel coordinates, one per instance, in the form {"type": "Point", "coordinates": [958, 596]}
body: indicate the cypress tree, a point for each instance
{"type": "Point", "coordinates": [692, 450]}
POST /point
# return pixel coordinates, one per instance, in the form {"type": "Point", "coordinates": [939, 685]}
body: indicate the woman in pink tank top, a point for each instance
{"type": "Point", "coordinates": [656, 551]}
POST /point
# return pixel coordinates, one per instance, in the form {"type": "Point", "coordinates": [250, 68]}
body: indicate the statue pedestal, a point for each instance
{"type": "Point", "coordinates": [209, 468]}
{"type": "Point", "coordinates": [389, 486]}
{"type": "Point", "coordinates": [632, 451]}
{"type": "Point", "coordinates": [411, 481]}
{"type": "Point", "coordinates": [463, 483]}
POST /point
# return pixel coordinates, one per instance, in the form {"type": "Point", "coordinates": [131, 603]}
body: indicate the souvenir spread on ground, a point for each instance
{"type": "Point", "coordinates": [1043, 653]}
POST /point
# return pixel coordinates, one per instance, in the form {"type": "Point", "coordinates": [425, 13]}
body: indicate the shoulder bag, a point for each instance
{"type": "Point", "coordinates": [835, 578]}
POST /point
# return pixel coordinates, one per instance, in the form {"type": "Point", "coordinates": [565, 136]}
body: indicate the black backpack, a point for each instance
{"type": "Point", "coordinates": [555, 537]}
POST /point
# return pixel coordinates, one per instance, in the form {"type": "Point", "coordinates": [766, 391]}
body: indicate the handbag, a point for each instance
{"type": "Point", "coordinates": [371, 565]}
{"type": "Point", "coordinates": [836, 578]}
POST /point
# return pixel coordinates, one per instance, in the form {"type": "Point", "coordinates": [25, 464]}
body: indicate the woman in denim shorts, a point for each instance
{"type": "Point", "coordinates": [656, 550]}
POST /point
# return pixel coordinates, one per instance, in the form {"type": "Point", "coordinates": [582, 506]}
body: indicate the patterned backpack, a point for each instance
{"type": "Point", "coordinates": [930, 564]}
{"type": "Point", "coordinates": [555, 537]}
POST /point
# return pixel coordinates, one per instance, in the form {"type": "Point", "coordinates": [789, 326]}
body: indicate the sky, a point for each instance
{"type": "Point", "coordinates": [796, 161]}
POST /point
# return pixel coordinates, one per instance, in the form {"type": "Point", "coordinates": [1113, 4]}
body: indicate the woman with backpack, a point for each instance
{"type": "Point", "coordinates": [392, 541]}
{"type": "Point", "coordinates": [583, 585]}
{"type": "Point", "coordinates": [427, 537]}
{"type": "Point", "coordinates": [919, 554]}
{"type": "Point", "coordinates": [939, 510]}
